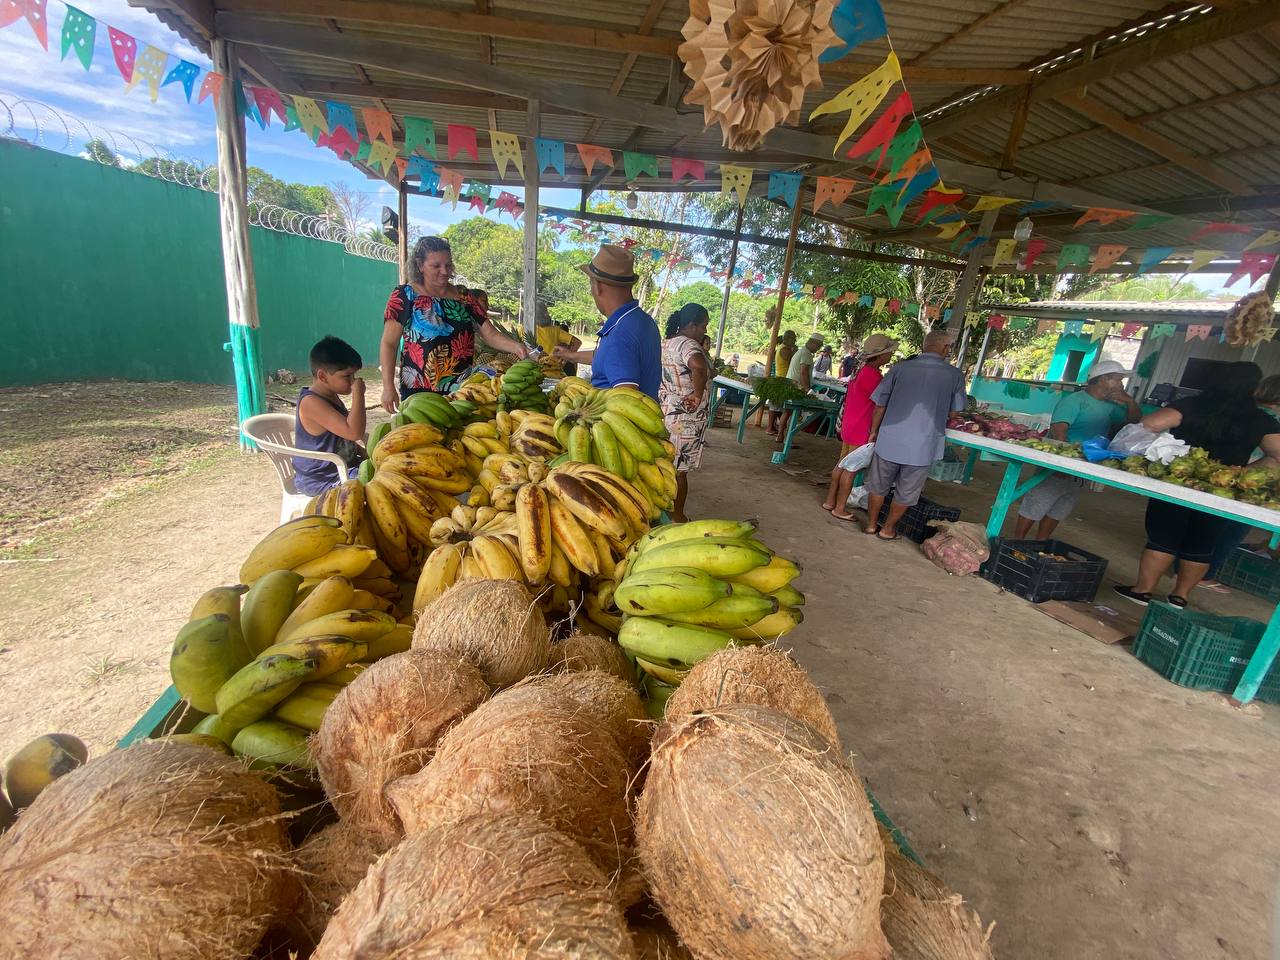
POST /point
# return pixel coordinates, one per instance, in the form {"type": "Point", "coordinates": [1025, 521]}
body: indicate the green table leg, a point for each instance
{"type": "Point", "coordinates": [969, 465]}
{"type": "Point", "coordinates": [794, 426]}
{"type": "Point", "coordinates": [1261, 661]}
{"type": "Point", "coordinates": [742, 423]}
{"type": "Point", "coordinates": [1004, 498]}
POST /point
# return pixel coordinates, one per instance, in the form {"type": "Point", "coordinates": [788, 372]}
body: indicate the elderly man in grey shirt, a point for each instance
{"type": "Point", "coordinates": [908, 428]}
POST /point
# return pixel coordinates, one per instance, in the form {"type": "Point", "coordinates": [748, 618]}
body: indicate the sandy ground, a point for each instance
{"type": "Point", "coordinates": [1089, 807]}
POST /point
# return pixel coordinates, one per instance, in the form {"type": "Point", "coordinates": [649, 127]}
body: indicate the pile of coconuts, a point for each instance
{"type": "Point", "coordinates": [497, 794]}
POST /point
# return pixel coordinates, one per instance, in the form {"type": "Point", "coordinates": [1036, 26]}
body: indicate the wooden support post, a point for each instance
{"type": "Point", "coordinates": [237, 258]}
{"type": "Point", "coordinates": [782, 291]}
{"type": "Point", "coordinates": [728, 281]}
{"type": "Point", "coordinates": [982, 355]}
{"type": "Point", "coordinates": [964, 289]}
{"type": "Point", "coordinates": [529, 301]}
{"type": "Point", "coordinates": [403, 232]}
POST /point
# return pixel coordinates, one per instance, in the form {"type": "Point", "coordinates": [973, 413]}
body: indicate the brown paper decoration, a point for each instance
{"type": "Point", "coordinates": [506, 149]}
{"type": "Point", "coordinates": [861, 97]}
{"type": "Point", "coordinates": [737, 179]}
{"type": "Point", "coordinates": [751, 62]}
{"type": "Point", "coordinates": [835, 190]}
{"type": "Point", "coordinates": [1105, 256]}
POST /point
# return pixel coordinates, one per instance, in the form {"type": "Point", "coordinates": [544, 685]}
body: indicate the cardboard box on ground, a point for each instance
{"type": "Point", "coordinates": [1095, 619]}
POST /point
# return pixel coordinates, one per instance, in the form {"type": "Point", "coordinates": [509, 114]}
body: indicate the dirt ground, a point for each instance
{"type": "Point", "coordinates": [1089, 807]}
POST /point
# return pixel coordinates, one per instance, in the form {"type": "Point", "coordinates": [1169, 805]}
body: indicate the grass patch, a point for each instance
{"type": "Point", "coordinates": [100, 669]}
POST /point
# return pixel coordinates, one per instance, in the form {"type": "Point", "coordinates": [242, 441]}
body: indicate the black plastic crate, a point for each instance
{"type": "Point", "coordinates": [1022, 567]}
{"type": "Point", "coordinates": [917, 523]}
{"type": "Point", "coordinates": [1247, 571]}
{"type": "Point", "coordinates": [1203, 651]}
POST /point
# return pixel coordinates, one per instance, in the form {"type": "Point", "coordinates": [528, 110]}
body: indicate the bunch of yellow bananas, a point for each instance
{"type": "Point", "coordinates": [534, 436]}
{"type": "Point", "coordinates": [622, 430]}
{"type": "Point", "coordinates": [568, 388]}
{"type": "Point", "coordinates": [687, 590]}
{"type": "Point", "coordinates": [263, 659]}
{"type": "Point", "coordinates": [481, 391]}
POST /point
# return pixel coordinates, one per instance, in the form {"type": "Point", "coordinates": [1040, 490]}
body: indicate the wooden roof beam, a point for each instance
{"type": "Point", "coordinates": [969, 28]}
{"type": "Point", "coordinates": [629, 61]}
{"type": "Point", "coordinates": [446, 96]}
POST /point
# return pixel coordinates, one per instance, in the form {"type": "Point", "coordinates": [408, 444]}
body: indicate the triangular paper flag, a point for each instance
{"type": "Point", "coordinates": [34, 11]}
{"type": "Point", "coordinates": [591, 155]}
{"type": "Point", "coordinates": [831, 189]}
{"type": "Point", "coordinates": [1268, 238]}
{"type": "Point", "coordinates": [902, 149]}
{"type": "Point", "coordinates": [977, 241]}
{"type": "Point", "coordinates": [125, 50]}
{"type": "Point", "coordinates": [937, 197]}
{"type": "Point", "coordinates": [682, 167]}
{"type": "Point", "coordinates": [149, 67]}
{"type": "Point", "coordinates": [1253, 265]}
{"type": "Point", "coordinates": [911, 166]}
{"type": "Point", "coordinates": [737, 179]}
{"type": "Point", "coordinates": [1020, 323]}
{"type": "Point", "coordinates": [477, 203]}
{"type": "Point", "coordinates": [341, 117]}
{"type": "Point", "coordinates": [947, 231]}
{"type": "Point", "coordinates": [1202, 258]}
{"type": "Point", "coordinates": [1198, 331]}
{"type": "Point", "coordinates": [1106, 255]}
{"type": "Point", "coordinates": [310, 116]}
{"type": "Point", "coordinates": [419, 136]}
{"type": "Point", "coordinates": [996, 322]}
{"type": "Point", "coordinates": [382, 155]}
{"type": "Point", "coordinates": [1073, 328]}
{"type": "Point", "coordinates": [917, 185]}
{"type": "Point", "coordinates": [78, 33]}
{"type": "Point", "coordinates": [1102, 215]}
{"type": "Point", "coordinates": [341, 142]}
{"type": "Point", "coordinates": [1046, 326]}
{"type": "Point", "coordinates": [461, 139]}
{"type": "Point", "coordinates": [246, 106]}
{"type": "Point", "coordinates": [1145, 221]}
{"type": "Point", "coordinates": [1101, 330]}
{"type": "Point", "coordinates": [505, 148]}
{"type": "Point", "coordinates": [402, 167]}
{"type": "Point", "coordinates": [1153, 255]}
{"type": "Point", "coordinates": [884, 196]}
{"type": "Point", "coordinates": [1130, 329]}
{"type": "Point", "coordinates": [878, 305]}
{"type": "Point", "coordinates": [550, 154]}
{"type": "Point", "coordinates": [1218, 227]}
{"type": "Point", "coordinates": [211, 86]}
{"type": "Point", "coordinates": [634, 164]}
{"type": "Point", "coordinates": [378, 125]}
{"type": "Point", "coordinates": [449, 195]}
{"type": "Point", "coordinates": [991, 203]}
{"type": "Point", "coordinates": [880, 134]}
{"type": "Point", "coordinates": [184, 73]}
{"type": "Point", "coordinates": [364, 150]}
{"type": "Point", "coordinates": [1161, 330]}
{"type": "Point", "coordinates": [291, 121]}
{"type": "Point", "coordinates": [855, 22]}
{"type": "Point", "coordinates": [1032, 254]}
{"type": "Point", "coordinates": [1004, 251]}
{"type": "Point", "coordinates": [425, 171]}
{"type": "Point", "coordinates": [861, 98]}
{"type": "Point", "coordinates": [450, 180]}
{"type": "Point", "coordinates": [1073, 255]}
{"type": "Point", "coordinates": [785, 186]}
{"type": "Point", "coordinates": [269, 102]}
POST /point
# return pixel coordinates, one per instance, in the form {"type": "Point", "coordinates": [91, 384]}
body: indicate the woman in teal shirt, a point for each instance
{"type": "Point", "coordinates": [1099, 409]}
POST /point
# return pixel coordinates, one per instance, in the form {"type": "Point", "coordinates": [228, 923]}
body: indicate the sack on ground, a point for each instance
{"type": "Point", "coordinates": [959, 548]}
{"type": "Point", "coordinates": [858, 459]}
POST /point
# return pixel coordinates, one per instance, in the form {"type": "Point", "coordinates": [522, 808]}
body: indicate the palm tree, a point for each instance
{"type": "Point", "coordinates": [1149, 289]}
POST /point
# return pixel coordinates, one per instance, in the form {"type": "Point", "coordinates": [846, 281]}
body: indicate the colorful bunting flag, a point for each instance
{"type": "Point", "coordinates": [987, 202]}
{"type": "Point", "coordinates": [1145, 221]}
{"type": "Point", "coordinates": [1202, 258]}
{"type": "Point", "coordinates": [550, 154]}
{"type": "Point", "coordinates": [340, 141]}
{"type": "Point", "coordinates": [1073, 328]}
{"type": "Point", "coordinates": [877, 305]}
{"type": "Point", "coordinates": [1106, 255]}
{"type": "Point", "coordinates": [341, 117]}
{"type": "Point", "coordinates": [938, 197]}
{"type": "Point", "coordinates": [1198, 331]}
{"type": "Point", "coordinates": [425, 171]}
{"type": "Point", "coordinates": [1101, 215]}
{"type": "Point", "coordinates": [911, 166]}
{"type": "Point", "coordinates": [1153, 255]}
{"type": "Point", "coordinates": [737, 179]}
{"type": "Point", "coordinates": [682, 167]}
{"type": "Point", "coordinates": [310, 116]}
{"type": "Point", "coordinates": [1130, 329]}
{"type": "Point", "coordinates": [1073, 255]}
{"type": "Point", "coordinates": [504, 146]}
{"type": "Point", "coordinates": [1254, 265]}
{"type": "Point", "coordinates": [1268, 238]}
{"type": "Point", "coordinates": [1101, 330]}
{"type": "Point", "coordinates": [855, 22]}
{"type": "Point", "coordinates": [882, 133]}
{"type": "Point", "coordinates": [917, 185]}
{"type": "Point", "coordinates": [785, 186]}
{"type": "Point", "coordinates": [591, 155]}
{"type": "Point", "coordinates": [363, 149]}
{"type": "Point", "coordinates": [461, 139]}
{"type": "Point", "coordinates": [79, 30]}
{"type": "Point", "coordinates": [1035, 206]}
{"type": "Point", "coordinates": [450, 180]}
{"type": "Point", "coordinates": [861, 98]}
{"type": "Point", "coordinates": [1004, 251]}
{"type": "Point", "coordinates": [996, 322]}
{"type": "Point", "coordinates": [1020, 323]}
{"type": "Point", "coordinates": [834, 190]}
{"type": "Point", "coordinates": [378, 125]}
{"type": "Point", "coordinates": [125, 50]}
{"type": "Point", "coordinates": [402, 167]}
{"type": "Point", "coordinates": [948, 231]}
{"type": "Point", "coordinates": [419, 136]}
{"type": "Point", "coordinates": [884, 197]}
{"type": "Point", "coordinates": [634, 164]}
{"type": "Point", "coordinates": [1032, 254]}
{"type": "Point", "coordinates": [268, 102]}
{"type": "Point", "coordinates": [184, 73]}
{"type": "Point", "coordinates": [977, 241]}
{"type": "Point", "coordinates": [211, 86]}
{"type": "Point", "coordinates": [382, 155]}
{"type": "Point", "coordinates": [291, 121]}
{"type": "Point", "coordinates": [1046, 326]}
{"type": "Point", "coordinates": [1218, 227]}
{"type": "Point", "coordinates": [902, 148]}
{"type": "Point", "coordinates": [35, 14]}
{"type": "Point", "coordinates": [149, 67]}
{"type": "Point", "coordinates": [1161, 330]}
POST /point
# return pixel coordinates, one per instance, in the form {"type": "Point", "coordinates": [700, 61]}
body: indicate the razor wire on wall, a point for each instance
{"type": "Point", "coordinates": [44, 126]}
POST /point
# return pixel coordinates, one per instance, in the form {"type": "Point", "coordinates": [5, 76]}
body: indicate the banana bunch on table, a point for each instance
{"type": "Point", "coordinates": [521, 388]}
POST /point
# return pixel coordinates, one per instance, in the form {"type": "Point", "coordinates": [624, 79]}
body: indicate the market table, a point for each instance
{"type": "Point", "coordinates": [817, 409]}
{"type": "Point", "coordinates": [725, 384]}
{"type": "Point", "coordinates": [1012, 487]}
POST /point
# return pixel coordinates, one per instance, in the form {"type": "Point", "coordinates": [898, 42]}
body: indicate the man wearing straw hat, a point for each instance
{"type": "Point", "coordinates": [628, 351]}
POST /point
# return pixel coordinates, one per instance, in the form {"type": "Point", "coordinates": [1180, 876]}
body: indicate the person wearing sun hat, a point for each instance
{"type": "Point", "coordinates": [855, 421]}
{"type": "Point", "coordinates": [628, 350]}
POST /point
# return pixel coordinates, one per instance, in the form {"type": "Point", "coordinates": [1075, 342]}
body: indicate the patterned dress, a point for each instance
{"type": "Point", "coordinates": [439, 335]}
{"type": "Point", "coordinates": [687, 428]}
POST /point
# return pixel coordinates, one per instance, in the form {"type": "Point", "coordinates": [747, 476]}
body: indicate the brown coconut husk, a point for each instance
{"type": "Point", "coordinates": [528, 751]}
{"type": "Point", "coordinates": [923, 918]}
{"type": "Point", "coordinates": [329, 865]}
{"type": "Point", "coordinates": [385, 725]}
{"type": "Point", "coordinates": [606, 700]}
{"type": "Point", "coordinates": [758, 840]}
{"type": "Point", "coordinates": [586, 651]}
{"type": "Point", "coordinates": [762, 675]}
{"type": "Point", "coordinates": [167, 851]}
{"type": "Point", "coordinates": [485, 888]}
{"type": "Point", "coordinates": [653, 936]}
{"type": "Point", "coordinates": [494, 625]}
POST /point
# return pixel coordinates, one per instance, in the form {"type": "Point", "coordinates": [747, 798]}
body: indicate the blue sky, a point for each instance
{"type": "Point", "coordinates": [187, 130]}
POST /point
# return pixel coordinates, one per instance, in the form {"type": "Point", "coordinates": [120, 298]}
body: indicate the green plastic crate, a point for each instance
{"type": "Point", "coordinates": [1202, 651]}
{"type": "Point", "coordinates": [1247, 571]}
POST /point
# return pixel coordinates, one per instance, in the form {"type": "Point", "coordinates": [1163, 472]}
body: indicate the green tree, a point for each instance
{"type": "Point", "coordinates": [1149, 289]}
{"type": "Point", "coordinates": [99, 152]}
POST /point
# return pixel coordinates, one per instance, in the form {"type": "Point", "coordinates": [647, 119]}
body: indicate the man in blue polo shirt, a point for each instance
{"type": "Point", "coordinates": [629, 350]}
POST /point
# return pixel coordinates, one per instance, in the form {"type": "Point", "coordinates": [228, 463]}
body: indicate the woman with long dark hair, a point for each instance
{"type": "Point", "coordinates": [685, 393]}
{"type": "Point", "coordinates": [438, 322]}
{"type": "Point", "coordinates": [1227, 423]}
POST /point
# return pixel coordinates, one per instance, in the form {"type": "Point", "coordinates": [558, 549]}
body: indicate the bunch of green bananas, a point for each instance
{"type": "Point", "coordinates": [430, 408]}
{"type": "Point", "coordinates": [521, 388]}
{"type": "Point", "coordinates": [264, 658]}
{"type": "Point", "coordinates": [622, 430]}
{"type": "Point", "coordinates": [687, 590]}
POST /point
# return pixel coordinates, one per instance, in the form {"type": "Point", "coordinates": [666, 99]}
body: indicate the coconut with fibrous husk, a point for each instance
{"type": "Point", "coordinates": [763, 675]}
{"type": "Point", "coordinates": [758, 840]}
{"type": "Point", "coordinates": [492, 886]}
{"type": "Point", "coordinates": [494, 625]}
{"type": "Point", "coordinates": [586, 651]}
{"type": "Point", "coordinates": [529, 750]}
{"type": "Point", "coordinates": [924, 919]}
{"type": "Point", "coordinates": [384, 725]}
{"type": "Point", "coordinates": [609, 701]}
{"type": "Point", "coordinates": [329, 864]}
{"type": "Point", "coordinates": [161, 850]}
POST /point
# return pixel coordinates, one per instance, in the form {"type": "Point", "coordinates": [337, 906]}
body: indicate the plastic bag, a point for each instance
{"type": "Point", "coordinates": [858, 498]}
{"type": "Point", "coordinates": [959, 548]}
{"type": "Point", "coordinates": [1167, 448]}
{"type": "Point", "coordinates": [1135, 439]}
{"type": "Point", "coordinates": [858, 459]}
{"type": "Point", "coordinates": [1097, 449]}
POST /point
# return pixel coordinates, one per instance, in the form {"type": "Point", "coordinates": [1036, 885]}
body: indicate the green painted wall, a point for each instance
{"type": "Point", "coordinates": [110, 274]}
{"type": "Point", "coordinates": [1090, 347]}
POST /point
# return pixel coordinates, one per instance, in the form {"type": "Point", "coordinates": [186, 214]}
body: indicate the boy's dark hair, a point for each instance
{"type": "Point", "coordinates": [332, 355]}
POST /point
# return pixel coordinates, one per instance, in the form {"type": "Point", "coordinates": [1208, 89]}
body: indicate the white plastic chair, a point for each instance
{"type": "Point", "coordinates": [273, 433]}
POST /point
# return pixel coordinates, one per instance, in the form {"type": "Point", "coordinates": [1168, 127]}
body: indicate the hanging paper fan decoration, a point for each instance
{"type": "Point", "coordinates": [751, 62]}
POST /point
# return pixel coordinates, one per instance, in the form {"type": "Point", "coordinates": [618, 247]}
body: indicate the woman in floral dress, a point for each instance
{"type": "Point", "coordinates": [438, 323]}
{"type": "Point", "coordinates": [685, 393]}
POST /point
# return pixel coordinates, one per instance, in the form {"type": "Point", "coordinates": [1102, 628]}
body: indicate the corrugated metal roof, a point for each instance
{"type": "Point", "coordinates": [1167, 311]}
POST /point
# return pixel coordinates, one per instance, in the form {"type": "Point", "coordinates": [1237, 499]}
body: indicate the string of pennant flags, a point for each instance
{"type": "Point", "coordinates": [893, 145]}
{"type": "Point", "coordinates": [1102, 329]}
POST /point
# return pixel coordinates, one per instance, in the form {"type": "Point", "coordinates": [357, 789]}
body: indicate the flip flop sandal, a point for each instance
{"type": "Point", "coordinates": [1177, 601]}
{"type": "Point", "coordinates": [896, 536]}
{"type": "Point", "coordinates": [849, 519]}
